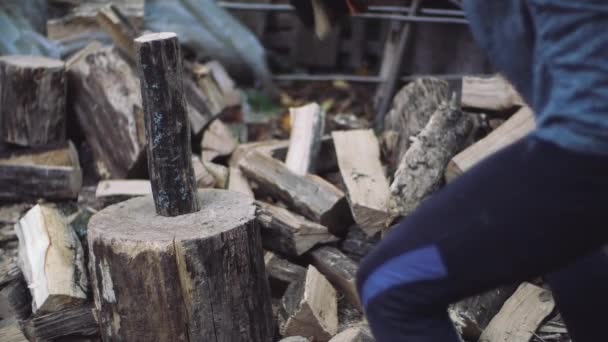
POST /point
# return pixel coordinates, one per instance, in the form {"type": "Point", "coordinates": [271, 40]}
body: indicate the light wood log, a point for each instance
{"type": "Point", "coordinates": [204, 179]}
{"type": "Point", "coordinates": [219, 172]}
{"type": "Point", "coordinates": [310, 196]}
{"type": "Point", "coordinates": [123, 187]}
{"type": "Point", "coordinates": [106, 97]}
{"type": "Point", "coordinates": [521, 315]}
{"type": "Point", "coordinates": [214, 80]}
{"type": "Point", "coordinates": [50, 172]}
{"type": "Point", "coordinates": [309, 308]}
{"type": "Point", "coordinates": [200, 276]}
{"type": "Point", "coordinates": [489, 93]}
{"type": "Point", "coordinates": [295, 339]}
{"type": "Point", "coordinates": [237, 182]}
{"type": "Point", "coordinates": [74, 321]}
{"type": "Point", "coordinates": [421, 171]}
{"type": "Point", "coordinates": [518, 126]}
{"type": "Point", "coordinates": [358, 155]}
{"type": "Point", "coordinates": [281, 273]}
{"type": "Point", "coordinates": [288, 233]}
{"type": "Point", "coordinates": [32, 100]}
{"type": "Point", "coordinates": [307, 127]}
{"type": "Point", "coordinates": [340, 270]}
{"type": "Point", "coordinates": [159, 62]}
{"type": "Point", "coordinates": [219, 139]}
{"type": "Point", "coordinates": [116, 24]}
{"type": "Point", "coordinates": [412, 108]}
{"type": "Point", "coordinates": [51, 259]}
{"type": "Point", "coordinates": [360, 333]}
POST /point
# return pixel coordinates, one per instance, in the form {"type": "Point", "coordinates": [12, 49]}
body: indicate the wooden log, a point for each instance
{"type": "Point", "coordinates": [310, 196]}
{"type": "Point", "coordinates": [472, 315]}
{"type": "Point", "coordinates": [356, 245]}
{"type": "Point", "coordinates": [32, 100]}
{"type": "Point", "coordinates": [360, 333]}
{"type": "Point", "coordinates": [51, 259]}
{"type": "Point", "coordinates": [49, 172]}
{"type": "Point", "coordinates": [116, 24]}
{"type": "Point", "coordinates": [412, 108]}
{"type": "Point", "coordinates": [358, 155]}
{"type": "Point", "coordinates": [489, 94]}
{"type": "Point", "coordinates": [219, 139]}
{"type": "Point", "coordinates": [518, 126]}
{"type": "Point", "coordinates": [237, 182]}
{"type": "Point", "coordinates": [281, 273]}
{"type": "Point", "coordinates": [340, 270]}
{"type": "Point", "coordinates": [295, 339]}
{"type": "Point", "coordinates": [220, 174]}
{"type": "Point", "coordinates": [134, 253]}
{"type": "Point", "coordinates": [521, 315]}
{"type": "Point", "coordinates": [204, 179]}
{"type": "Point", "coordinates": [307, 127]}
{"type": "Point", "coordinates": [17, 295]}
{"type": "Point", "coordinates": [309, 308]}
{"type": "Point", "coordinates": [11, 332]}
{"type": "Point", "coordinates": [106, 97]}
{"type": "Point", "coordinates": [159, 63]}
{"type": "Point", "coordinates": [198, 107]}
{"type": "Point", "coordinates": [123, 187]}
{"type": "Point", "coordinates": [288, 233]}
{"type": "Point", "coordinates": [421, 171]}
{"type": "Point", "coordinates": [74, 321]}
{"type": "Point", "coordinates": [214, 80]}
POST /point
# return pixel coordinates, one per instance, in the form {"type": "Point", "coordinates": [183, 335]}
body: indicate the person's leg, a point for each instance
{"type": "Point", "coordinates": [526, 211]}
{"type": "Point", "coordinates": [580, 290]}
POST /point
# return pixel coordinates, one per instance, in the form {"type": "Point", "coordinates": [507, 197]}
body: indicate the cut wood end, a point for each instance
{"type": "Point", "coordinates": [32, 61]}
{"type": "Point", "coordinates": [148, 37]}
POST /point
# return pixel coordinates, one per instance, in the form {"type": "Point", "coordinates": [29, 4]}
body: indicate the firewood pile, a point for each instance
{"type": "Point", "coordinates": [326, 191]}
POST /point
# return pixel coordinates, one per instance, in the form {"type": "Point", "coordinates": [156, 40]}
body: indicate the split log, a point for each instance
{"type": "Point", "coordinates": [106, 98]}
{"type": "Point", "coordinates": [214, 81]}
{"type": "Point", "coordinates": [73, 321]}
{"type": "Point", "coordinates": [203, 178]}
{"type": "Point", "coordinates": [521, 315]}
{"type": "Point", "coordinates": [489, 94]}
{"type": "Point", "coordinates": [32, 100]}
{"type": "Point", "coordinates": [237, 182]}
{"type": "Point", "coordinates": [11, 332]}
{"type": "Point", "coordinates": [219, 139]}
{"type": "Point", "coordinates": [159, 63]}
{"type": "Point", "coordinates": [295, 339]}
{"type": "Point", "coordinates": [310, 308]}
{"type": "Point", "coordinates": [83, 18]}
{"type": "Point", "coordinates": [412, 108]}
{"type": "Point", "coordinates": [220, 174]}
{"type": "Point", "coordinates": [358, 155]}
{"type": "Point", "coordinates": [421, 171]}
{"type": "Point", "coordinates": [518, 126]}
{"type": "Point", "coordinates": [356, 245]}
{"type": "Point", "coordinates": [111, 19]}
{"type": "Point", "coordinates": [281, 273]}
{"type": "Point", "coordinates": [17, 295]}
{"type": "Point", "coordinates": [46, 172]}
{"type": "Point", "coordinates": [307, 127]}
{"type": "Point", "coordinates": [472, 315]}
{"type": "Point", "coordinates": [310, 196]}
{"type": "Point", "coordinates": [51, 259]}
{"type": "Point", "coordinates": [288, 233]}
{"type": "Point", "coordinates": [354, 334]}
{"type": "Point", "coordinates": [123, 187]}
{"type": "Point", "coordinates": [134, 253]}
{"type": "Point", "coordinates": [339, 269]}
{"type": "Point", "coordinates": [198, 102]}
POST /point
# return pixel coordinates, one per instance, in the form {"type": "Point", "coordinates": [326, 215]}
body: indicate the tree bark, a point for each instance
{"type": "Point", "coordinates": [32, 100]}
{"type": "Point", "coordinates": [159, 62]}
{"type": "Point", "coordinates": [195, 277]}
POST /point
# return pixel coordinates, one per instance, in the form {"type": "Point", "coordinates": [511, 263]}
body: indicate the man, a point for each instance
{"type": "Point", "coordinates": [538, 207]}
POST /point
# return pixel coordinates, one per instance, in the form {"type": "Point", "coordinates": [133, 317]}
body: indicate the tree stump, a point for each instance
{"type": "Point", "coordinates": [32, 100]}
{"type": "Point", "coordinates": [194, 277]}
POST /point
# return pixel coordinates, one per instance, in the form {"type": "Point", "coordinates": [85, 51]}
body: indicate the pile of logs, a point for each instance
{"type": "Point", "coordinates": [307, 209]}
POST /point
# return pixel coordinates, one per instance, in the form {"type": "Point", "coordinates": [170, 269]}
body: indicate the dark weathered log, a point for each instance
{"type": "Point", "coordinates": [521, 315]}
{"type": "Point", "coordinates": [51, 259]}
{"type": "Point", "coordinates": [105, 95]}
{"type": "Point", "coordinates": [412, 108]}
{"type": "Point", "coordinates": [51, 172]}
{"type": "Point", "coordinates": [356, 245]}
{"type": "Point", "coordinates": [79, 320]}
{"type": "Point", "coordinates": [17, 295]}
{"type": "Point", "coordinates": [339, 269]}
{"type": "Point", "coordinates": [472, 315]}
{"type": "Point", "coordinates": [489, 94]}
{"type": "Point", "coordinates": [310, 308]}
{"type": "Point", "coordinates": [288, 233]}
{"type": "Point", "coordinates": [281, 273]}
{"type": "Point", "coordinates": [32, 100]}
{"type": "Point", "coordinates": [159, 61]}
{"type": "Point", "coordinates": [310, 196]}
{"type": "Point", "coordinates": [200, 277]}
{"type": "Point", "coordinates": [518, 126]}
{"type": "Point", "coordinates": [358, 154]}
{"type": "Point", "coordinates": [421, 170]}
{"type": "Point", "coordinates": [307, 127]}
